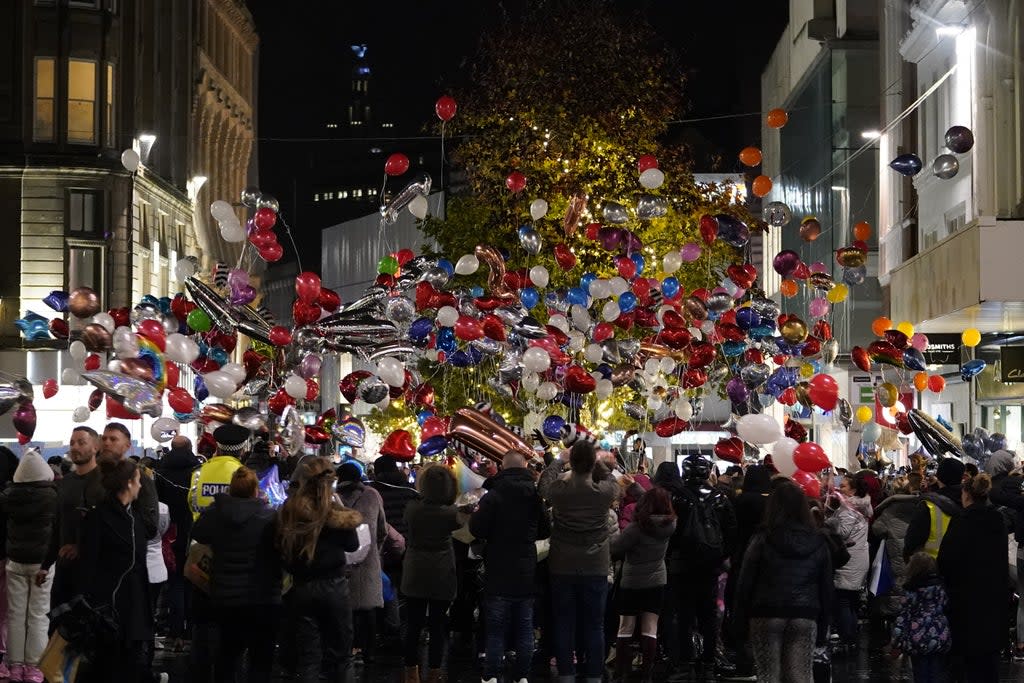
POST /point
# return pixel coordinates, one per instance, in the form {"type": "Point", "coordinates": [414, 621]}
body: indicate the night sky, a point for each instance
{"type": "Point", "coordinates": [417, 51]}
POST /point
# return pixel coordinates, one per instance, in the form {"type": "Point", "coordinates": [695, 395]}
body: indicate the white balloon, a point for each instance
{"type": "Point", "coordinates": [392, 371]}
{"type": "Point", "coordinates": [531, 381]}
{"type": "Point", "coordinates": [654, 403]}
{"type": "Point", "coordinates": [610, 311]}
{"type": "Point", "coordinates": [234, 370]}
{"type": "Point", "coordinates": [221, 210]}
{"type": "Point", "coordinates": [759, 430]}
{"type": "Point", "coordinates": [222, 385]}
{"type": "Point", "coordinates": [671, 262]}
{"type": "Point", "coordinates": [294, 386]}
{"type": "Point", "coordinates": [70, 376]}
{"type": "Point", "coordinates": [617, 285]}
{"type": "Point", "coordinates": [164, 429]}
{"type": "Point", "coordinates": [536, 360]}
{"type": "Point", "coordinates": [560, 321]}
{"type": "Point", "coordinates": [184, 269]}
{"type": "Point", "coordinates": [114, 365]}
{"type": "Point", "coordinates": [539, 276]}
{"type": "Point", "coordinates": [447, 316]}
{"type": "Point", "coordinates": [538, 209]}
{"type": "Point", "coordinates": [77, 350]}
{"type": "Point", "coordinates": [418, 206]}
{"type": "Point", "coordinates": [180, 349]}
{"type": "Point", "coordinates": [667, 365]}
{"type": "Point", "coordinates": [130, 160]}
{"type": "Point", "coordinates": [547, 391]}
{"type": "Point", "coordinates": [231, 230]}
{"type": "Point", "coordinates": [467, 264]}
{"type": "Point", "coordinates": [576, 341]}
{"type": "Point", "coordinates": [682, 409]}
{"type": "Point", "coordinates": [652, 366]}
{"type": "Point", "coordinates": [81, 414]}
{"type": "Point", "coordinates": [652, 178]}
{"type": "Point", "coordinates": [593, 353]}
{"type": "Point", "coordinates": [105, 320]}
{"type": "Point", "coordinates": [580, 316]}
{"type": "Point", "coordinates": [696, 333]}
{"type": "Point", "coordinates": [604, 388]}
{"type": "Point", "coordinates": [782, 456]}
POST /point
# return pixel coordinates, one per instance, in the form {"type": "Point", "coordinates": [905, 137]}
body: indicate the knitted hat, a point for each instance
{"type": "Point", "coordinates": [950, 471]}
{"type": "Point", "coordinates": [32, 468]}
{"type": "Point", "coordinates": [1000, 462]}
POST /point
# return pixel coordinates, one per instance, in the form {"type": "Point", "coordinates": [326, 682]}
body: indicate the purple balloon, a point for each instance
{"type": "Point", "coordinates": [631, 243]}
{"type": "Point", "coordinates": [737, 390]}
{"type": "Point", "coordinates": [25, 419]}
{"type": "Point", "coordinates": [785, 262]}
{"type": "Point", "coordinates": [245, 294]}
{"type": "Point", "coordinates": [310, 366]}
{"type": "Point", "coordinates": [610, 238]}
{"type": "Point", "coordinates": [690, 252]}
{"type": "Point", "coordinates": [237, 277]}
{"type": "Point", "coordinates": [57, 300]}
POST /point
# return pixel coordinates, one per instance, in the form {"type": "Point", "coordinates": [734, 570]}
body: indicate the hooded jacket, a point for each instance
{"type": "Point", "coordinates": [30, 508]}
{"type": "Point", "coordinates": [246, 566]}
{"type": "Point", "coordinates": [892, 519]}
{"type": "Point", "coordinates": [395, 492]}
{"type": "Point", "coordinates": [510, 518]}
{"type": "Point", "coordinates": [948, 501]}
{"type": "Point", "coordinates": [644, 552]}
{"type": "Point", "coordinates": [852, 527]}
{"type": "Point", "coordinates": [337, 537]}
{"type": "Point", "coordinates": [786, 573]}
{"type": "Point", "coordinates": [365, 586]}
{"type": "Point", "coordinates": [579, 526]}
{"type": "Point", "coordinates": [173, 479]}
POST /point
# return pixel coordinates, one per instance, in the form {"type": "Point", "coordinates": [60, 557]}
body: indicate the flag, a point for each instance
{"type": "Point", "coordinates": [881, 572]}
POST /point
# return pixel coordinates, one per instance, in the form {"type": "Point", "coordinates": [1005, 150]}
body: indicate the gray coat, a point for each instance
{"type": "Point", "coordinates": [853, 529]}
{"type": "Point", "coordinates": [644, 552]}
{"type": "Point", "coordinates": [364, 583]}
{"type": "Point", "coordinates": [892, 518]}
{"type": "Point", "coordinates": [579, 521]}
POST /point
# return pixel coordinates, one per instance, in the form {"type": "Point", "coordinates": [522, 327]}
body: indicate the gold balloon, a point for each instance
{"type": "Point", "coordinates": [137, 368]}
{"type": "Point", "coordinates": [887, 394]}
{"type": "Point", "coordinates": [807, 371]}
{"type": "Point", "coordinates": [96, 337]}
{"type": "Point", "coordinates": [217, 412]}
{"type": "Point", "coordinates": [851, 257]}
{"type": "Point", "coordinates": [794, 330]}
{"type": "Point", "coordinates": [84, 302]}
{"type": "Point", "coordinates": [695, 308]}
{"type": "Point", "coordinates": [622, 373]}
{"type": "Point", "coordinates": [810, 228]}
{"type": "Point", "coordinates": [803, 394]}
{"type": "Point", "coordinates": [822, 281]}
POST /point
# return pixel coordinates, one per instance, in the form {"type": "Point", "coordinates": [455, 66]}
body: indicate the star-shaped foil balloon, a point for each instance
{"type": "Point", "coordinates": [136, 395]}
{"type": "Point", "coordinates": [33, 326]}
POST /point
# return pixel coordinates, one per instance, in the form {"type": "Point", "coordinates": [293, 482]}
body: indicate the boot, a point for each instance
{"type": "Point", "coordinates": [649, 652]}
{"type": "Point", "coordinates": [411, 674]}
{"type": "Point", "coordinates": [436, 676]}
{"type": "Point", "coordinates": [623, 660]}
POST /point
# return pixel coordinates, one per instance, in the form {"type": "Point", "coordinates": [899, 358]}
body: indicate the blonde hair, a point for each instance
{"type": "Point", "coordinates": [244, 483]}
{"type": "Point", "coordinates": [306, 511]}
{"type": "Point", "coordinates": [919, 564]}
{"type": "Point", "coordinates": [978, 487]}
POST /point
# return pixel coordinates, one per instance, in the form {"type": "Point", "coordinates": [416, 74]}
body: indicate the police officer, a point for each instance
{"type": "Point", "coordinates": [215, 475]}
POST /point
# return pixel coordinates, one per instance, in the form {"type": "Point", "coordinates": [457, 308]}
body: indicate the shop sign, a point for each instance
{"type": "Point", "coordinates": [943, 349]}
{"type": "Point", "coordinates": [1011, 362]}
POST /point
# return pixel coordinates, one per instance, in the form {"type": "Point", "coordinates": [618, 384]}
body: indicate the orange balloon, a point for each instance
{"type": "Point", "coordinates": [880, 325]}
{"type": "Point", "coordinates": [936, 383]}
{"type": "Point", "coordinates": [921, 381]}
{"type": "Point", "coordinates": [762, 185]}
{"type": "Point", "coordinates": [777, 118]}
{"type": "Point", "coordinates": [862, 231]}
{"type": "Point", "coordinates": [750, 156]}
{"type": "Point", "coordinates": [788, 287]}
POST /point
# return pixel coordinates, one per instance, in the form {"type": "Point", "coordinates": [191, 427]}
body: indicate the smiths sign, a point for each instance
{"type": "Point", "coordinates": [943, 349]}
{"type": "Point", "coordinates": [1011, 360]}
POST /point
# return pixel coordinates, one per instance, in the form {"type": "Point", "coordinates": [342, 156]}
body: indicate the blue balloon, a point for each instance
{"type": "Point", "coordinates": [150, 299]}
{"type": "Point", "coordinates": [552, 427]}
{"type": "Point", "coordinates": [529, 297]}
{"type": "Point", "coordinates": [57, 300]}
{"type": "Point", "coordinates": [971, 368]}
{"type": "Point", "coordinates": [734, 348]}
{"type": "Point", "coordinates": [586, 279]}
{"type": "Point", "coordinates": [914, 359]}
{"type": "Point", "coordinates": [605, 370]}
{"type": "Point", "coordinates": [165, 305]}
{"type": "Point", "coordinates": [433, 446]}
{"type": "Point", "coordinates": [199, 389]}
{"type": "Point", "coordinates": [577, 295]}
{"type": "Point", "coordinates": [184, 417]}
{"type": "Point", "coordinates": [524, 230]}
{"type": "Point", "coordinates": [218, 355]}
{"type": "Point", "coordinates": [761, 331]}
{"type": "Point", "coordinates": [423, 416]}
{"type": "Point", "coordinates": [504, 253]}
{"type": "Point", "coordinates": [747, 318]}
{"type": "Point", "coordinates": [855, 276]}
{"type": "Point", "coordinates": [446, 265]}
{"type": "Point", "coordinates": [460, 359]}
{"type": "Point", "coordinates": [204, 349]}
{"type": "Point", "coordinates": [670, 287]}
{"type": "Point", "coordinates": [445, 340]}
{"type": "Point", "coordinates": [627, 301]}
{"type": "Point", "coordinates": [906, 164]}
{"type": "Point", "coordinates": [476, 291]}
{"type": "Point", "coordinates": [638, 260]}
{"type": "Point", "coordinates": [421, 328]}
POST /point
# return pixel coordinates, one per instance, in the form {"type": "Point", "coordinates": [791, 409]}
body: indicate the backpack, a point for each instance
{"type": "Point", "coordinates": [701, 532]}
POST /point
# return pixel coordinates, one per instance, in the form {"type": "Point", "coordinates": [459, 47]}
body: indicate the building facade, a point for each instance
{"type": "Point", "coordinates": [81, 82]}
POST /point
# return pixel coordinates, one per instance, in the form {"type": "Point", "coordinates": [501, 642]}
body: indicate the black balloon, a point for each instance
{"type": "Point", "coordinates": [906, 164]}
{"type": "Point", "coordinates": [959, 139]}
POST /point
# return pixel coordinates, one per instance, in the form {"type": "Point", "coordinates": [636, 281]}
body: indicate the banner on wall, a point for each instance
{"type": "Point", "coordinates": [1011, 363]}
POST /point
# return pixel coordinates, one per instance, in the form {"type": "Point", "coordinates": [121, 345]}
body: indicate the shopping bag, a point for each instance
{"type": "Point", "coordinates": [881, 572]}
{"type": "Point", "coordinates": [199, 566]}
{"type": "Point", "coordinates": [58, 663]}
{"type": "Point", "coordinates": [365, 541]}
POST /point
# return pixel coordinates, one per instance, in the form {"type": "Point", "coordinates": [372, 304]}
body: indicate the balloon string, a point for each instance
{"type": "Point", "coordinates": [440, 179]}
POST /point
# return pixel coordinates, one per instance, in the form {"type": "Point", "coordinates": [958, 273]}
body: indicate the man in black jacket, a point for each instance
{"type": "Point", "coordinates": [932, 516]}
{"type": "Point", "coordinates": [173, 479]}
{"type": "Point", "coordinates": [510, 519]}
{"type": "Point", "coordinates": [1007, 489]}
{"type": "Point", "coordinates": [394, 488]}
{"type": "Point", "coordinates": [116, 443]}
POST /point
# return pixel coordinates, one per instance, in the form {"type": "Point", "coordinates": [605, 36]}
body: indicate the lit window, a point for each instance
{"type": "Point", "coordinates": [357, 193]}
{"type": "Point", "coordinates": [329, 195]}
{"type": "Point", "coordinates": [156, 258]}
{"type": "Point", "coordinates": [81, 101]}
{"type": "Point", "coordinates": [373, 191]}
{"type": "Point", "coordinates": [42, 129]}
{"type": "Point", "coordinates": [84, 211]}
{"type": "Point", "coordinates": [343, 194]}
{"type": "Point", "coordinates": [316, 197]}
{"type": "Point", "coordinates": [108, 109]}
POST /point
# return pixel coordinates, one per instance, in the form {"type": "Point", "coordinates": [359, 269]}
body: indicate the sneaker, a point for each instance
{"type": "Point", "coordinates": [33, 675]}
{"type": "Point", "coordinates": [17, 673]}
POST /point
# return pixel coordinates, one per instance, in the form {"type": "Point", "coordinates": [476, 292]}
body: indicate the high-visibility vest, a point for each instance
{"type": "Point", "coordinates": [212, 478]}
{"type": "Point", "coordinates": [936, 528]}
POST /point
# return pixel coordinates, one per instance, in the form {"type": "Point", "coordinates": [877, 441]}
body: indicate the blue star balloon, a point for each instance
{"type": "Point", "coordinates": [33, 326]}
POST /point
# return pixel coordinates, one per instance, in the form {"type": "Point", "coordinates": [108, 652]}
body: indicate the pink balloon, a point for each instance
{"type": "Point", "coordinates": [818, 267]}
{"type": "Point", "coordinates": [818, 308]}
{"type": "Point", "coordinates": [919, 341]}
{"type": "Point", "coordinates": [690, 252]}
{"type": "Point", "coordinates": [739, 293]}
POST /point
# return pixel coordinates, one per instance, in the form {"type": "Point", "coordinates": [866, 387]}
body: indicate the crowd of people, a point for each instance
{"type": "Point", "coordinates": [583, 568]}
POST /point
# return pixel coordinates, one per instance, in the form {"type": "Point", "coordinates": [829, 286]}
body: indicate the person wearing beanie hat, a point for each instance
{"type": "Point", "coordinates": [999, 464]}
{"type": "Point", "coordinates": [933, 514]}
{"type": "Point", "coordinates": [392, 483]}
{"type": "Point", "coordinates": [29, 505]}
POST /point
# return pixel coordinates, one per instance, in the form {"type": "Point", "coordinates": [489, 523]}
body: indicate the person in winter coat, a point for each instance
{"type": "Point", "coordinates": [366, 590]}
{"type": "Point", "coordinates": [30, 508]}
{"type": "Point", "coordinates": [314, 532]}
{"type": "Point", "coordinates": [892, 519]}
{"type": "Point", "coordinates": [935, 510]}
{"type": "Point", "coordinates": [972, 560]}
{"type": "Point", "coordinates": [921, 629]}
{"type": "Point", "coordinates": [852, 527]}
{"type": "Point", "coordinates": [785, 589]}
{"type": "Point", "coordinates": [429, 580]}
{"type": "Point", "coordinates": [579, 559]}
{"type": "Point", "coordinates": [509, 519]}
{"type": "Point", "coordinates": [173, 478]}
{"type": "Point", "coordinates": [245, 584]}
{"type": "Point", "coordinates": [1008, 495]}
{"type": "Point", "coordinates": [113, 573]}
{"type": "Point", "coordinates": [395, 491]}
{"type": "Point", "coordinates": [156, 567]}
{"type": "Point", "coordinates": [641, 592]}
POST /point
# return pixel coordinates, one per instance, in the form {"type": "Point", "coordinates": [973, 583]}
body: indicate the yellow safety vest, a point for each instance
{"type": "Point", "coordinates": [212, 478]}
{"type": "Point", "coordinates": [936, 529]}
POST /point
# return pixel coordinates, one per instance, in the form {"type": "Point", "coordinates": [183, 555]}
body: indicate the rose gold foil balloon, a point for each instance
{"type": "Point", "coordinates": [83, 302]}
{"type": "Point", "coordinates": [96, 337]}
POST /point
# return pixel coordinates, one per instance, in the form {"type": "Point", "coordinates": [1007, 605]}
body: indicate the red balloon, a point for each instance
{"type": "Point", "coordinates": [253, 361]}
{"type": "Point", "coordinates": [349, 384]}
{"type": "Point", "coordinates": [646, 162]}
{"type": "Point", "coordinates": [564, 256]}
{"type": "Point", "coordinates": [808, 483]}
{"type": "Point", "coordinates": [23, 439]}
{"type": "Point", "coordinates": [493, 327]}
{"type": "Point", "coordinates": [823, 391]}
{"type": "Point", "coordinates": [515, 182]}
{"type": "Point", "coordinates": [694, 378]}
{"type": "Point", "coordinates": [264, 218]}
{"type": "Point", "coordinates": [304, 313]}
{"type": "Point", "coordinates": [328, 300]}
{"type": "Point", "coordinates": [398, 445]}
{"type": "Point", "coordinates": [279, 400]}
{"type": "Point", "coordinates": [224, 340]}
{"type": "Point", "coordinates": [708, 228]}
{"type": "Point", "coordinates": [261, 239]}
{"type": "Point", "coordinates": [95, 399]}
{"type": "Point", "coordinates": [433, 426]}
{"type": "Point", "coordinates": [468, 328]}
{"type": "Point", "coordinates": [603, 331]}
{"type": "Point", "coordinates": [793, 429]}
{"type": "Point", "coordinates": [579, 381]}
{"type": "Point", "coordinates": [423, 395]}
{"type": "Point", "coordinates": [397, 164]}
{"type": "Point", "coordinates": [592, 230]}
{"type": "Point", "coordinates": [307, 286]}
{"type": "Point", "coordinates": [701, 354]}
{"type": "Point", "coordinates": [59, 328]}
{"type": "Point", "coordinates": [810, 457]}
{"type": "Point", "coordinates": [312, 389]}
{"type": "Point", "coordinates": [116, 411]}
{"type": "Point", "coordinates": [317, 435]}
{"type": "Point", "coordinates": [822, 330]}
{"type": "Point", "coordinates": [92, 362]}
{"type": "Point", "coordinates": [626, 267]}
{"type": "Point", "coordinates": [445, 107]}
{"type": "Point", "coordinates": [272, 252]}
{"type": "Point", "coordinates": [180, 400]}
{"type": "Point", "coordinates": [50, 388]}
{"type": "Point", "coordinates": [671, 426]}
{"type": "Point", "coordinates": [153, 330]}
{"type": "Point", "coordinates": [788, 398]}
{"type": "Point", "coordinates": [860, 358]}
{"type": "Point", "coordinates": [678, 338]}
{"type": "Point", "coordinates": [730, 449]}
{"type": "Point", "coordinates": [121, 315]}
{"type": "Point", "coordinates": [173, 374]}
{"type": "Point", "coordinates": [280, 336]}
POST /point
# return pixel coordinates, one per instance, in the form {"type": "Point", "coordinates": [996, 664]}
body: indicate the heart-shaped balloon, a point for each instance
{"type": "Point", "coordinates": [494, 328]}
{"type": "Point", "coordinates": [885, 353]}
{"type": "Point", "coordinates": [670, 426]}
{"type": "Point", "coordinates": [349, 384]}
{"type": "Point", "coordinates": [897, 339]}
{"type": "Point", "coordinates": [564, 256]}
{"type": "Point", "coordinates": [743, 275]}
{"type": "Point", "coordinates": [578, 380]}
{"type": "Point", "coordinates": [708, 228]}
{"type": "Point", "coordinates": [398, 445]}
{"type": "Point", "coordinates": [860, 358]}
{"type": "Point", "coordinates": [676, 337]}
{"type": "Point", "coordinates": [730, 449]}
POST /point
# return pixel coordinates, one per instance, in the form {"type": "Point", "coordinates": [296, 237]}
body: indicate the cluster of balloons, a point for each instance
{"type": "Point", "coordinates": [959, 140]}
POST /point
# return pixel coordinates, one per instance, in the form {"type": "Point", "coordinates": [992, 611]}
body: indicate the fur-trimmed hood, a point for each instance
{"type": "Point", "coordinates": [344, 518]}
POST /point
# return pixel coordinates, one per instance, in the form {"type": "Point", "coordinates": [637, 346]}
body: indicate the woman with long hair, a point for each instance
{"type": "Point", "coordinates": [429, 581]}
{"type": "Point", "coordinates": [785, 588]}
{"type": "Point", "coordinates": [314, 532]}
{"type": "Point", "coordinates": [642, 586]}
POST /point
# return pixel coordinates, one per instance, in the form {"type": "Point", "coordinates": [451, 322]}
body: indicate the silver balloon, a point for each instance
{"type": "Point", "coordinates": [755, 374]}
{"type": "Point", "coordinates": [469, 308]}
{"type": "Point", "coordinates": [255, 387]}
{"type": "Point", "coordinates": [399, 347]}
{"type": "Point", "coordinates": [614, 213]}
{"type": "Point", "coordinates": [251, 196]}
{"type": "Point", "coordinates": [634, 410]}
{"type": "Point", "coordinates": [372, 390]}
{"type": "Point", "coordinates": [776, 214]}
{"type": "Point", "coordinates": [717, 374]}
{"type": "Point", "coordinates": [844, 413]}
{"type": "Point", "coordinates": [510, 315]}
{"type": "Point", "coordinates": [417, 188]}
{"type": "Point", "coordinates": [250, 418]}
{"type": "Point", "coordinates": [221, 312]}
{"type": "Point", "coordinates": [267, 201]}
{"type": "Point", "coordinates": [530, 328]}
{"type": "Point", "coordinates": [765, 307]}
{"type": "Point", "coordinates": [530, 241]}
{"type": "Point", "coordinates": [289, 431]}
{"type": "Point", "coordinates": [487, 346]}
{"type": "Point", "coordinates": [136, 395]}
{"type": "Point", "coordinates": [720, 302]}
{"type": "Point", "coordinates": [400, 309]}
{"type": "Point", "coordinates": [945, 166]}
{"type": "Point", "coordinates": [829, 351]}
{"type": "Point", "coordinates": [437, 276]}
{"type": "Point", "coordinates": [649, 206]}
{"type": "Point", "coordinates": [368, 302]}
